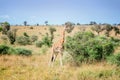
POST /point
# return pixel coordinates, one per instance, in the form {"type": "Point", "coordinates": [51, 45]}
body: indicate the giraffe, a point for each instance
{"type": "Point", "coordinates": [57, 48]}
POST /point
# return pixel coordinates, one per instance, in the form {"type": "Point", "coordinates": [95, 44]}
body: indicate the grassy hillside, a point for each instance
{"type": "Point", "coordinates": [36, 67]}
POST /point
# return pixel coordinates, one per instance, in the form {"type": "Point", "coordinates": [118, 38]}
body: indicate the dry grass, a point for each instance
{"type": "Point", "coordinates": [36, 68]}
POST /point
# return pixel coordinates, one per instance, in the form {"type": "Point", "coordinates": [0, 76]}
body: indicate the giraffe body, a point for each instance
{"type": "Point", "coordinates": [58, 48]}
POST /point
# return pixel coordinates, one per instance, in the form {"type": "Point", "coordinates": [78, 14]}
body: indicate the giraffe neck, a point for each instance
{"type": "Point", "coordinates": [63, 36]}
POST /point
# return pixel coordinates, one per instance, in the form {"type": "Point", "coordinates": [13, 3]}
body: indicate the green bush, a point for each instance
{"type": "Point", "coordinates": [5, 27]}
{"type": "Point", "coordinates": [21, 51]}
{"type": "Point", "coordinates": [33, 38]}
{"type": "Point", "coordinates": [7, 50]}
{"type": "Point", "coordinates": [0, 28]}
{"type": "Point", "coordinates": [39, 44]}
{"type": "Point", "coordinates": [85, 47]}
{"type": "Point", "coordinates": [22, 40]}
{"type": "Point", "coordinates": [97, 28]}
{"type": "Point", "coordinates": [44, 49]}
{"type": "Point", "coordinates": [25, 34]}
{"type": "Point", "coordinates": [114, 59]}
{"type": "Point", "coordinates": [11, 34]}
{"type": "Point", "coordinates": [4, 49]}
{"type": "Point", "coordinates": [108, 28]}
{"type": "Point", "coordinates": [115, 41]}
{"type": "Point", "coordinates": [4, 39]}
{"type": "Point", "coordinates": [52, 30]}
{"type": "Point", "coordinates": [46, 40]}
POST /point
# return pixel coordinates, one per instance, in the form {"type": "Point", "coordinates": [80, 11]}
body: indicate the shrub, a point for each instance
{"type": "Point", "coordinates": [85, 47]}
{"type": "Point", "coordinates": [114, 59]}
{"type": "Point", "coordinates": [39, 44]}
{"type": "Point", "coordinates": [4, 49]}
{"type": "Point", "coordinates": [31, 27]}
{"type": "Point", "coordinates": [12, 35]}
{"type": "Point", "coordinates": [46, 40]}
{"type": "Point", "coordinates": [97, 28]}
{"type": "Point", "coordinates": [25, 34]}
{"type": "Point", "coordinates": [22, 40]}
{"type": "Point", "coordinates": [5, 27]}
{"type": "Point", "coordinates": [12, 51]}
{"type": "Point", "coordinates": [44, 49]}
{"type": "Point", "coordinates": [4, 38]}
{"type": "Point", "coordinates": [108, 28]}
{"type": "Point", "coordinates": [115, 41]}
{"type": "Point", "coordinates": [21, 51]}
{"type": "Point", "coordinates": [116, 29]}
{"type": "Point", "coordinates": [69, 26]}
{"type": "Point", "coordinates": [33, 38]}
{"type": "Point", "coordinates": [0, 28]}
{"type": "Point", "coordinates": [52, 30]}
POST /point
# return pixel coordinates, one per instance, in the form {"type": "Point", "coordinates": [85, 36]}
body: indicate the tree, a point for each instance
{"type": "Point", "coordinates": [97, 28]}
{"type": "Point", "coordinates": [5, 27]}
{"type": "Point", "coordinates": [11, 34]}
{"type": "Point", "coordinates": [86, 47]}
{"type": "Point", "coordinates": [25, 23]}
{"type": "Point", "coordinates": [78, 23]}
{"type": "Point", "coordinates": [116, 29]}
{"type": "Point", "coordinates": [69, 26]}
{"type": "Point", "coordinates": [108, 28]}
{"type": "Point", "coordinates": [37, 24]}
{"type": "Point", "coordinates": [93, 23]}
{"type": "Point", "coordinates": [46, 22]}
{"type": "Point", "coordinates": [52, 30]}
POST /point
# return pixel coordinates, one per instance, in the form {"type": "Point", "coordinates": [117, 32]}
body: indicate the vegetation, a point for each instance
{"type": "Point", "coordinates": [94, 48]}
{"type": "Point", "coordinates": [4, 38]}
{"type": "Point", "coordinates": [12, 35]}
{"type": "Point", "coordinates": [52, 30]}
{"type": "Point", "coordinates": [78, 23]}
{"type": "Point", "coordinates": [116, 29]}
{"type": "Point", "coordinates": [21, 51]}
{"type": "Point", "coordinates": [23, 40]}
{"type": "Point", "coordinates": [25, 23]}
{"type": "Point", "coordinates": [69, 26]}
{"type": "Point", "coordinates": [108, 28]}
{"type": "Point", "coordinates": [5, 27]}
{"type": "Point", "coordinates": [39, 43]}
{"type": "Point", "coordinates": [31, 27]}
{"type": "Point", "coordinates": [44, 49]}
{"type": "Point", "coordinates": [97, 28]}
{"type": "Point", "coordinates": [46, 40]}
{"type": "Point", "coordinates": [33, 38]}
{"type": "Point", "coordinates": [46, 22]}
{"type": "Point", "coordinates": [25, 34]}
{"type": "Point", "coordinates": [0, 28]}
{"type": "Point", "coordinates": [93, 23]}
{"type": "Point", "coordinates": [83, 47]}
{"type": "Point", "coordinates": [114, 59]}
{"type": "Point", "coordinates": [4, 49]}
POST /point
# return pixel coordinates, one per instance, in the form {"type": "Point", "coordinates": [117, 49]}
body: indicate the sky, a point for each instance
{"type": "Point", "coordinates": [59, 11]}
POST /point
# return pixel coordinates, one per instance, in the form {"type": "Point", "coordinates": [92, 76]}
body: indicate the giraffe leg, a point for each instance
{"type": "Point", "coordinates": [51, 58]}
{"type": "Point", "coordinates": [61, 62]}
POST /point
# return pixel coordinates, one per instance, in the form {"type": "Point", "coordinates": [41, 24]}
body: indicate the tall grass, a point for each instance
{"type": "Point", "coordinates": [36, 68]}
